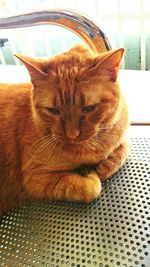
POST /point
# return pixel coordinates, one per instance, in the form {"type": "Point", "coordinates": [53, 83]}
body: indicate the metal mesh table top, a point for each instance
{"type": "Point", "coordinates": [111, 231]}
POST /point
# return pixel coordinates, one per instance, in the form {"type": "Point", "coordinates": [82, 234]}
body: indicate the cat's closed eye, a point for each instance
{"type": "Point", "coordinates": [54, 111]}
{"type": "Point", "coordinates": [90, 108]}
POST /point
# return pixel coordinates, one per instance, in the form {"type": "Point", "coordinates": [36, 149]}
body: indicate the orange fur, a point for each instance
{"type": "Point", "coordinates": [64, 132]}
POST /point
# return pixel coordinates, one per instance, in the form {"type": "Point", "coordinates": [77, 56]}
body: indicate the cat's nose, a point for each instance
{"type": "Point", "coordinates": [72, 133]}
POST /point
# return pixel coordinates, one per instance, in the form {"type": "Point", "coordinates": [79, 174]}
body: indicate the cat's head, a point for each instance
{"type": "Point", "coordinates": [75, 93]}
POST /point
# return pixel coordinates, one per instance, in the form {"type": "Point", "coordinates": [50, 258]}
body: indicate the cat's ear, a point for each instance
{"type": "Point", "coordinates": [35, 67]}
{"type": "Point", "coordinates": [107, 64]}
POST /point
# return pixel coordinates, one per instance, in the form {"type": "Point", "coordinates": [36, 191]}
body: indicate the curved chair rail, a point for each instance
{"type": "Point", "coordinates": [93, 36]}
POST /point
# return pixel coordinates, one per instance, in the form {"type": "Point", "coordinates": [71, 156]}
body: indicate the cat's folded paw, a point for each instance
{"type": "Point", "coordinates": [105, 170]}
{"type": "Point", "coordinates": [113, 163]}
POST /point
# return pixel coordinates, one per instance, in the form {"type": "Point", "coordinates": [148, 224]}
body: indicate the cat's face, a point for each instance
{"type": "Point", "coordinates": [75, 94]}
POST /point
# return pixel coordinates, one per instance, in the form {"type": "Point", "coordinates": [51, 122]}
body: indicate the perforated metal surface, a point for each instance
{"type": "Point", "coordinates": [112, 231]}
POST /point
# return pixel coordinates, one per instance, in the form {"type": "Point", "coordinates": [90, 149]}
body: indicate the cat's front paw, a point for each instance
{"type": "Point", "coordinates": [91, 187]}
{"type": "Point", "coordinates": [71, 186]}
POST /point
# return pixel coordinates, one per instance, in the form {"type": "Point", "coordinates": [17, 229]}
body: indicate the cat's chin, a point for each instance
{"type": "Point", "coordinates": [76, 141]}
{"type": "Point", "coordinates": [73, 142]}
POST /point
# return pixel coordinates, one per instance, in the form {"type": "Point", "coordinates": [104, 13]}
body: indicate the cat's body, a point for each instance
{"type": "Point", "coordinates": [49, 134]}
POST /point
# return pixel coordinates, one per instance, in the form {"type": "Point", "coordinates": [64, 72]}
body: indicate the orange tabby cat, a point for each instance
{"type": "Point", "coordinates": [64, 132]}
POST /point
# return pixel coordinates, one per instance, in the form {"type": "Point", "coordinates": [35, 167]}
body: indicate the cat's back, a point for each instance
{"type": "Point", "coordinates": [15, 109]}
{"type": "Point", "coordinates": [10, 93]}
{"type": "Point", "coordinates": [14, 98]}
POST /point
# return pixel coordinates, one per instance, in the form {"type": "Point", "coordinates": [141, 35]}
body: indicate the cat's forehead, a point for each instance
{"type": "Point", "coordinates": [73, 92]}
{"type": "Point", "coordinates": [70, 62]}
{"type": "Point", "coordinates": [66, 71]}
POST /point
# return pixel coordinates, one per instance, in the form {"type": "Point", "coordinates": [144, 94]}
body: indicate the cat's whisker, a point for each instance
{"type": "Point", "coordinates": [111, 128]}
{"type": "Point", "coordinates": [40, 140]}
{"type": "Point", "coordinates": [110, 137]}
{"type": "Point", "coordinates": [40, 149]}
{"type": "Point", "coordinates": [95, 145]}
{"type": "Point", "coordinates": [94, 142]}
{"type": "Point", "coordinates": [115, 126]}
{"type": "Point", "coordinates": [37, 152]}
{"type": "Point", "coordinates": [54, 144]}
{"type": "Point", "coordinates": [107, 138]}
{"type": "Point", "coordinates": [47, 141]}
